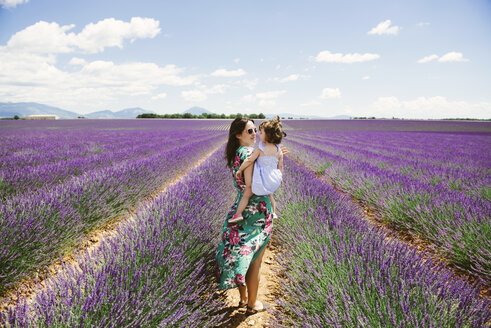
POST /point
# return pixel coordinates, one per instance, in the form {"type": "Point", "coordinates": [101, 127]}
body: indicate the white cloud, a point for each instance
{"type": "Point", "coordinates": [267, 103]}
{"type": "Point", "coordinates": [366, 77]}
{"type": "Point", "coordinates": [421, 24]}
{"type": "Point", "coordinates": [424, 108]}
{"type": "Point", "coordinates": [51, 38]}
{"type": "Point", "coordinates": [107, 72]}
{"type": "Point", "coordinates": [111, 33]}
{"type": "Point", "coordinates": [291, 77]}
{"type": "Point", "coordinates": [34, 77]}
{"type": "Point", "coordinates": [219, 88]}
{"type": "Point", "coordinates": [249, 84]}
{"type": "Point", "coordinates": [264, 99]}
{"type": "Point", "coordinates": [448, 57]}
{"type": "Point", "coordinates": [327, 56]}
{"type": "Point", "coordinates": [12, 3]}
{"type": "Point", "coordinates": [427, 59]}
{"type": "Point", "coordinates": [249, 98]}
{"type": "Point", "coordinates": [216, 89]}
{"type": "Point", "coordinates": [453, 57]}
{"type": "Point", "coordinates": [160, 96]}
{"type": "Point", "coordinates": [43, 38]}
{"type": "Point", "coordinates": [193, 95]}
{"type": "Point", "coordinates": [77, 61]}
{"type": "Point", "coordinates": [328, 93]}
{"type": "Point", "coordinates": [224, 73]}
{"type": "Point", "coordinates": [236, 60]}
{"type": "Point", "coordinates": [385, 28]}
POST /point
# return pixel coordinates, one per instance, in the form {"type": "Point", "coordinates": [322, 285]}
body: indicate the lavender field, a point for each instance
{"type": "Point", "coordinates": [435, 185]}
{"type": "Point", "coordinates": [60, 180]}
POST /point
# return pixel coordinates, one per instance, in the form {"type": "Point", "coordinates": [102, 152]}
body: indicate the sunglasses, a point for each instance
{"type": "Point", "coordinates": [250, 130]}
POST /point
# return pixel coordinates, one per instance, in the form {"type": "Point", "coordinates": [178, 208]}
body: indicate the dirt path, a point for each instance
{"type": "Point", "coordinates": [36, 282]}
{"type": "Point", "coordinates": [268, 290]}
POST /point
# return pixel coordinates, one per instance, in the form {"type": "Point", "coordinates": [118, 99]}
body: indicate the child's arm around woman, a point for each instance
{"type": "Point", "coordinates": [248, 161]}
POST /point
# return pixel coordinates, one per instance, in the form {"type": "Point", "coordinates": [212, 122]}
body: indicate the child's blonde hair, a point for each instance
{"type": "Point", "coordinates": [273, 130]}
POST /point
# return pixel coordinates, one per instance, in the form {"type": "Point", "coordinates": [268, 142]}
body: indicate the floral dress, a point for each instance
{"type": "Point", "coordinates": [242, 242]}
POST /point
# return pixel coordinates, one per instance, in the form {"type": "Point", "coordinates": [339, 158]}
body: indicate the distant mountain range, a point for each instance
{"type": "Point", "coordinates": [30, 108]}
{"type": "Point", "coordinates": [124, 113]}
{"type": "Point", "coordinates": [22, 109]}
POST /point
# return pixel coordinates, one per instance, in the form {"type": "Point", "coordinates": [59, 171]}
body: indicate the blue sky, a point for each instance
{"type": "Point", "coordinates": [411, 59]}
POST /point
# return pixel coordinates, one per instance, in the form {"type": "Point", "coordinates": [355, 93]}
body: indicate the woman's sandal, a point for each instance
{"type": "Point", "coordinates": [250, 310]}
{"type": "Point", "coordinates": [242, 304]}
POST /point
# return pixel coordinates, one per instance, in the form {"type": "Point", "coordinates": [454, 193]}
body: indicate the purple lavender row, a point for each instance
{"type": "Point", "coordinates": [155, 273]}
{"type": "Point", "coordinates": [22, 148]}
{"type": "Point", "coordinates": [342, 272]}
{"type": "Point", "coordinates": [38, 227]}
{"type": "Point", "coordinates": [389, 125]}
{"type": "Point", "coordinates": [463, 150]}
{"type": "Point", "coordinates": [57, 167]}
{"type": "Point", "coordinates": [457, 224]}
{"type": "Point", "coordinates": [458, 163]}
{"type": "Point", "coordinates": [117, 124]}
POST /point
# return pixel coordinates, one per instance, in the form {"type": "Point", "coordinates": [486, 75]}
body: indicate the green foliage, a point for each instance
{"type": "Point", "coordinates": [322, 168]}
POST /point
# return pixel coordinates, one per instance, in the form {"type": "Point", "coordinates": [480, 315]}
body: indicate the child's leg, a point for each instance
{"type": "Point", "coordinates": [245, 200]}
{"type": "Point", "coordinates": [247, 191]}
{"type": "Point", "coordinates": [273, 204]}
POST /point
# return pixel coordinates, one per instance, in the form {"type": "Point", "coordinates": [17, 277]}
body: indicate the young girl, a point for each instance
{"type": "Point", "coordinates": [268, 166]}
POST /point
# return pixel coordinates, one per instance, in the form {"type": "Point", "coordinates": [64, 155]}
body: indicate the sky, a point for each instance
{"type": "Point", "coordinates": [407, 59]}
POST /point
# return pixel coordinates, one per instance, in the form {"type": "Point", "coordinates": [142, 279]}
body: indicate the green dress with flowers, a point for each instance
{"type": "Point", "coordinates": [242, 242]}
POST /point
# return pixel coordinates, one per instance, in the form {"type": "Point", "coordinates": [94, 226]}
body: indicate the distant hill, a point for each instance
{"type": "Point", "coordinates": [22, 109]}
{"type": "Point", "coordinates": [197, 111]}
{"type": "Point", "coordinates": [124, 113]}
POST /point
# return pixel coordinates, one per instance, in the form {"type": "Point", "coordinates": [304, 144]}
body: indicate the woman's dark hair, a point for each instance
{"type": "Point", "coordinates": [273, 130]}
{"type": "Point", "coordinates": [237, 126]}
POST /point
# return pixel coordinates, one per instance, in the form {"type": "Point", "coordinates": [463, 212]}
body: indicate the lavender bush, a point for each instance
{"type": "Point", "coordinates": [41, 224]}
{"type": "Point", "coordinates": [341, 272]}
{"type": "Point", "coordinates": [158, 272]}
{"type": "Point", "coordinates": [436, 186]}
{"type": "Point", "coordinates": [45, 158]}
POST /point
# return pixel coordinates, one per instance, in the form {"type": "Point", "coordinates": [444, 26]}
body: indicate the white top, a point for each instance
{"type": "Point", "coordinates": [267, 176]}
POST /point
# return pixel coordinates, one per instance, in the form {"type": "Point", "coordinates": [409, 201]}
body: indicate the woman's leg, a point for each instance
{"type": "Point", "coordinates": [252, 279]}
{"type": "Point", "coordinates": [243, 293]}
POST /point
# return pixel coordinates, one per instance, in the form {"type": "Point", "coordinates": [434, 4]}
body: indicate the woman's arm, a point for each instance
{"type": "Point", "coordinates": [247, 162]}
{"type": "Point", "coordinates": [280, 163]}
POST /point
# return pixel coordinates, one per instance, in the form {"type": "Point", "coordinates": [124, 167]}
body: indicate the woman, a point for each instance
{"type": "Point", "coordinates": [240, 251]}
